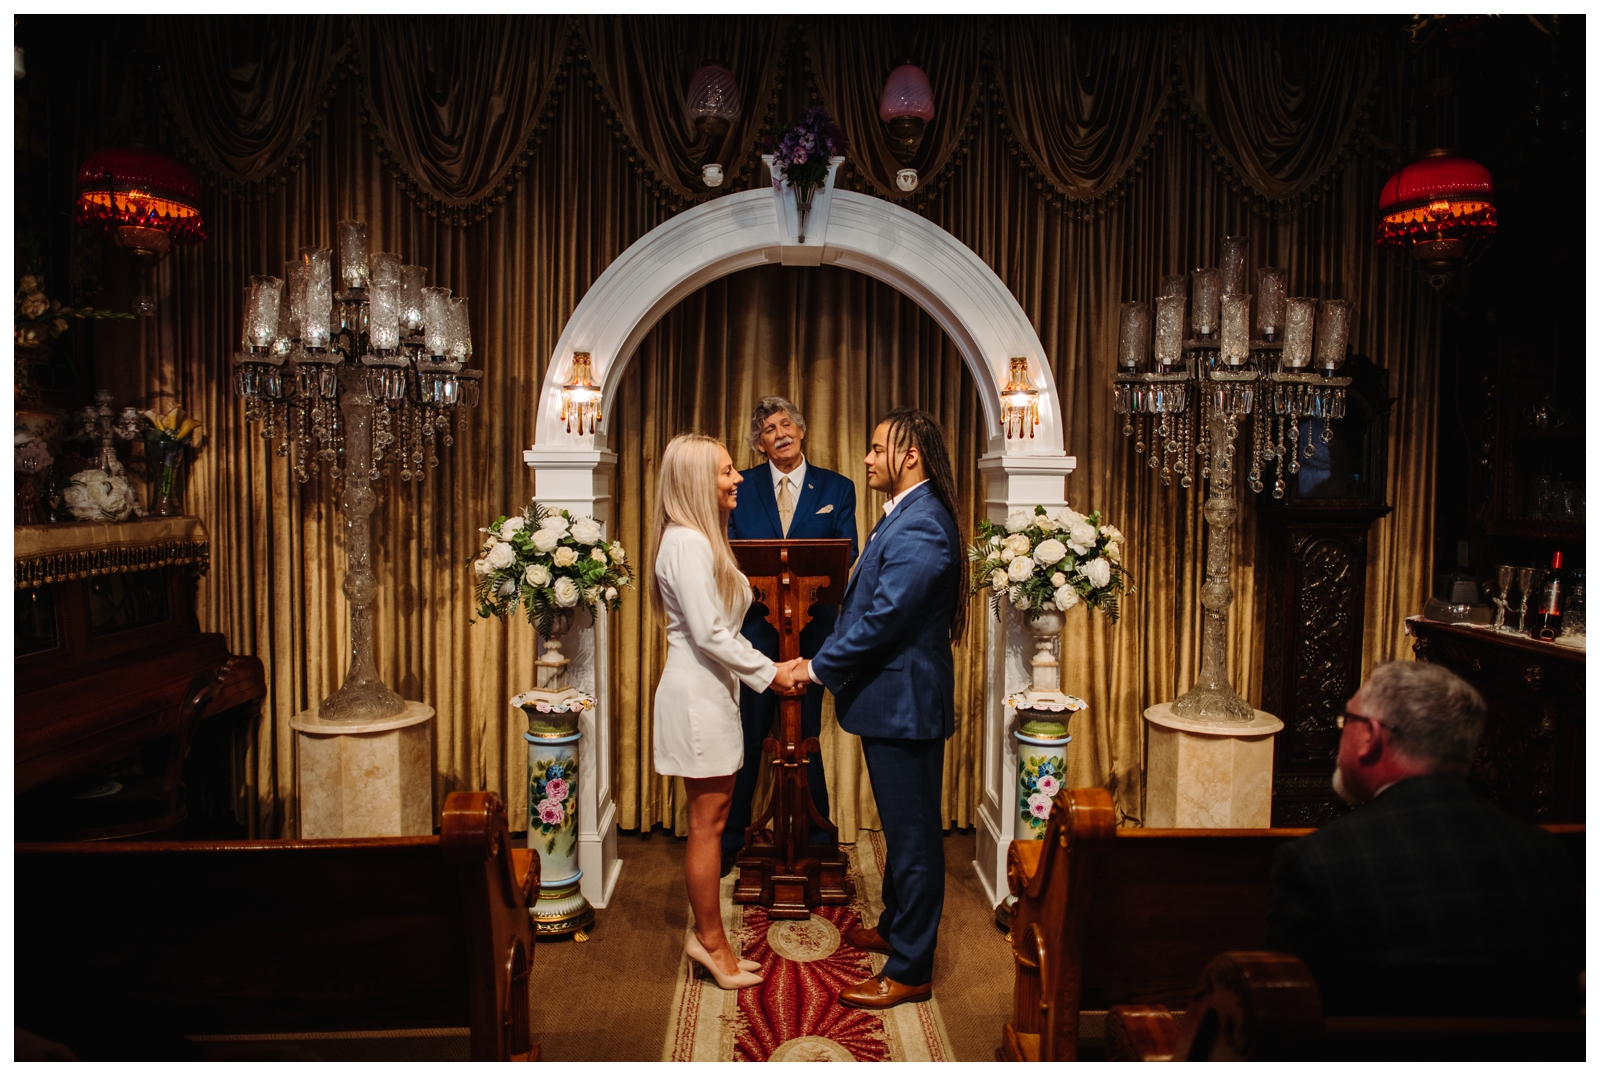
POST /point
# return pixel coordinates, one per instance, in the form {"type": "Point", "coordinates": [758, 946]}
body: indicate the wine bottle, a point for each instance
{"type": "Point", "coordinates": [1547, 622]}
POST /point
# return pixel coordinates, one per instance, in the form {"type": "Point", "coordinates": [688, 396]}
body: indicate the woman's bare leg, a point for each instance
{"type": "Point", "coordinates": [709, 800]}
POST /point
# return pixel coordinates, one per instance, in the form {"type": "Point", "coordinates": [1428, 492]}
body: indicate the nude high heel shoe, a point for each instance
{"type": "Point", "coordinates": [698, 954]}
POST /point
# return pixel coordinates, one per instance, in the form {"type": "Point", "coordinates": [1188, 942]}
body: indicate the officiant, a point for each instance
{"type": "Point", "coordinates": [786, 497]}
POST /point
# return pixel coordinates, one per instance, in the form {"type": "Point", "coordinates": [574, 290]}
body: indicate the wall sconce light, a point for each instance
{"type": "Point", "coordinates": [580, 396]}
{"type": "Point", "coordinates": [1019, 401]}
{"type": "Point", "coordinates": [907, 106]}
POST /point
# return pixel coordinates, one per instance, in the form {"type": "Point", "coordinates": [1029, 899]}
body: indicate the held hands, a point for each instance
{"type": "Point", "coordinates": [790, 677]}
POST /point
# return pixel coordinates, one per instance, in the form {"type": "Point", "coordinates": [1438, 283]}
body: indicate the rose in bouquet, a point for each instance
{"type": "Point", "coordinates": [801, 150]}
{"type": "Point", "coordinates": [548, 561]}
{"type": "Point", "coordinates": [96, 495]}
{"type": "Point", "coordinates": [1050, 560]}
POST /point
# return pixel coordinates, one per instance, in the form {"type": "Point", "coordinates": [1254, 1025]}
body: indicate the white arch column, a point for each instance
{"type": "Point", "coordinates": [573, 469]}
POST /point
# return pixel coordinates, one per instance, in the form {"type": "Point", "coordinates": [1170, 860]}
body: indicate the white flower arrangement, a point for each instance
{"type": "Point", "coordinates": [98, 495]}
{"type": "Point", "coordinates": [548, 561]}
{"type": "Point", "coordinates": [1050, 561]}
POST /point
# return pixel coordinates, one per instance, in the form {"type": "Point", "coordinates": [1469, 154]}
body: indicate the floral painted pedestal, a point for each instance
{"type": "Point", "coordinates": [1041, 773]}
{"type": "Point", "coordinates": [553, 737]}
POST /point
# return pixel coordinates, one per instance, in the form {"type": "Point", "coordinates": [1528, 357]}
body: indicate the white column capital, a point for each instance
{"type": "Point", "coordinates": [1012, 482]}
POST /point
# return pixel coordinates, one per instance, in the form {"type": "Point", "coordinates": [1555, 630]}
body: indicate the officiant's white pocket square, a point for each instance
{"type": "Point", "coordinates": [825, 508]}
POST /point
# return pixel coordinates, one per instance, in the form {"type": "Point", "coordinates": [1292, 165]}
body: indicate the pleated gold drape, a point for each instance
{"type": "Point", "coordinates": [847, 349]}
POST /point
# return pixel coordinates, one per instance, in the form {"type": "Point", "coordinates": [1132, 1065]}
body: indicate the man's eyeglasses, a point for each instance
{"type": "Point", "coordinates": [1346, 715]}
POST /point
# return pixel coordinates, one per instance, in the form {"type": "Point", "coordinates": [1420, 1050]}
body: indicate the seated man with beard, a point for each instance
{"type": "Point", "coordinates": [1427, 899]}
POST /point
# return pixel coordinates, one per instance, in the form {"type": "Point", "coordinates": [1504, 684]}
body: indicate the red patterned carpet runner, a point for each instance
{"type": "Point", "coordinates": [795, 1015]}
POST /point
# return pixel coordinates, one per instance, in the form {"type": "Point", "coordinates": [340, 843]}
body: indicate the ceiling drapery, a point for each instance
{"type": "Point", "coordinates": [246, 91]}
{"type": "Point", "coordinates": [458, 104]}
{"type": "Point", "coordinates": [643, 67]}
{"type": "Point", "coordinates": [1083, 97]}
{"type": "Point", "coordinates": [1279, 96]}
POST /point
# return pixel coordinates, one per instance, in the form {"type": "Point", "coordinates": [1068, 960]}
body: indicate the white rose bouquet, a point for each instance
{"type": "Point", "coordinates": [548, 560]}
{"type": "Point", "coordinates": [1050, 560]}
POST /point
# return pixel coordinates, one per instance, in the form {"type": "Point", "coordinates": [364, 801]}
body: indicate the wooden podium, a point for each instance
{"type": "Point", "coordinates": [780, 867]}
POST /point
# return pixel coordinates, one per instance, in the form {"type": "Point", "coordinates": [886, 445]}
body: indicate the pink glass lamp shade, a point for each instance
{"type": "Point", "coordinates": [144, 198]}
{"type": "Point", "coordinates": [713, 100]}
{"type": "Point", "coordinates": [1436, 208]}
{"type": "Point", "coordinates": [907, 106]}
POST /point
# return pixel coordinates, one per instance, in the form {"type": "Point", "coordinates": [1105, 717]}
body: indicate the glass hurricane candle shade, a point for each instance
{"type": "Point", "coordinates": [1236, 329]}
{"type": "Point", "coordinates": [316, 325]}
{"type": "Point", "coordinates": [385, 268]}
{"type": "Point", "coordinates": [353, 266]}
{"type": "Point", "coordinates": [1169, 329]}
{"type": "Point", "coordinates": [435, 320]}
{"type": "Point", "coordinates": [1269, 301]}
{"type": "Point", "coordinates": [1204, 301]}
{"type": "Point", "coordinates": [412, 279]}
{"type": "Point", "coordinates": [1233, 257]}
{"type": "Point", "coordinates": [1175, 284]}
{"type": "Point", "coordinates": [1133, 338]}
{"type": "Point", "coordinates": [459, 340]}
{"type": "Point", "coordinates": [294, 298]}
{"type": "Point", "coordinates": [261, 319]}
{"type": "Point", "coordinates": [1299, 320]}
{"type": "Point", "coordinates": [383, 323]}
{"type": "Point", "coordinates": [1333, 332]}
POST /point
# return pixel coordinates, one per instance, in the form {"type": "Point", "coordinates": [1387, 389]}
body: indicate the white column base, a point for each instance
{"type": "Point", "coordinates": [368, 780]}
{"type": "Point", "coordinates": [1200, 776]}
{"type": "Point", "coordinates": [597, 858]}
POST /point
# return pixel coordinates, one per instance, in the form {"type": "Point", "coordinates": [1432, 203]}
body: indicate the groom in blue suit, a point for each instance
{"type": "Point", "coordinates": [889, 666]}
{"type": "Point", "coordinates": [787, 497]}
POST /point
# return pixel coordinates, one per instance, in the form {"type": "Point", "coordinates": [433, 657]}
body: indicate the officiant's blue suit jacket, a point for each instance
{"type": "Point", "coordinates": [888, 662]}
{"type": "Point", "coordinates": [826, 509]}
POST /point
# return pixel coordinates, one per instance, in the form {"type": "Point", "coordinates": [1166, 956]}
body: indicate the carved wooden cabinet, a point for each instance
{"type": "Point", "coordinates": [1530, 760]}
{"type": "Point", "coordinates": [1312, 572]}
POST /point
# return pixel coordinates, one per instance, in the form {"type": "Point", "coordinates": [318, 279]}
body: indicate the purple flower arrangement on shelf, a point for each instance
{"type": "Point", "coordinates": [801, 150]}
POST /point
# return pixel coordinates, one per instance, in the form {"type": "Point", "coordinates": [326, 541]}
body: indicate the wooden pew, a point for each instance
{"type": "Point", "coordinates": [123, 949]}
{"type": "Point", "coordinates": [1255, 1006]}
{"type": "Point", "coordinates": [1107, 916]}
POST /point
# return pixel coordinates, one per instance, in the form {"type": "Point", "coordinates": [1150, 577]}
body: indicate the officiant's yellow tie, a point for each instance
{"type": "Point", "coordinates": [785, 504]}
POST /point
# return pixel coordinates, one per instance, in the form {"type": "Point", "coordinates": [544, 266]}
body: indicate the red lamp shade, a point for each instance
{"type": "Point", "coordinates": [145, 198]}
{"type": "Point", "coordinates": [1436, 207]}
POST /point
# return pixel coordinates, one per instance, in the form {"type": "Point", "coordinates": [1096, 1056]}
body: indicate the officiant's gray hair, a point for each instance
{"type": "Point", "coordinates": [766, 407]}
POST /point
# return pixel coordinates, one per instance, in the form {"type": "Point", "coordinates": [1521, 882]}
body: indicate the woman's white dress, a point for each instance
{"type": "Point", "coordinates": [697, 730]}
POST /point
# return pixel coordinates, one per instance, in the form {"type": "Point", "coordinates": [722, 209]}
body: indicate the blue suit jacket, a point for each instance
{"type": "Point", "coordinates": [826, 509]}
{"type": "Point", "coordinates": [888, 662]}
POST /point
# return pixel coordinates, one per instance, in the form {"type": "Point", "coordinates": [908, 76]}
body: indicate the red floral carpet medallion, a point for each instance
{"type": "Point", "coordinates": [795, 1015]}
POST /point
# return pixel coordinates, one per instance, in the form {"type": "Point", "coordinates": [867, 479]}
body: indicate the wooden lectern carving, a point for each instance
{"type": "Point", "coordinates": [780, 866]}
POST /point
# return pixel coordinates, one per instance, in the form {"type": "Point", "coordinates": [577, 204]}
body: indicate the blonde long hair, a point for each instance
{"type": "Point", "coordinates": [686, 494]}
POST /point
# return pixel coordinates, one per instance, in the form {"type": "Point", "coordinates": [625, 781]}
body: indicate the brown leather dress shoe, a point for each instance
{"type": "Point", "coordinates": [881, 993]}
{"type": "Point", "coordinates": [867, 938]}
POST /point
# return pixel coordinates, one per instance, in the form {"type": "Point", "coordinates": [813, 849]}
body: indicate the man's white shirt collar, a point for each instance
{"type": "Point", "coordinates": [796, 477]}
{"type": "Point", "coordinates": [889, 505]}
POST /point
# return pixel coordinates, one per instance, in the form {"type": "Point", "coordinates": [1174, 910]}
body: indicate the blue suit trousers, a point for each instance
{"type": "Point", "coordinates": [906, 779]}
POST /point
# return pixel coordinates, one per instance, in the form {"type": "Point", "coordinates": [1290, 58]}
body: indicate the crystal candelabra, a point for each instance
{"type": "Point", "coordinates": [100, 422]}
{"type": "Point", "coordinates": [358, 380]}
{"type": "Point", "coordinates": [1196, 393]}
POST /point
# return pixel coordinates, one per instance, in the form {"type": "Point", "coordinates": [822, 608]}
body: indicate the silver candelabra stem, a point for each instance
{"type": "Point", "coordinates": [363, 696]}
{"type": "Point", "coordinates": [1212, 699]}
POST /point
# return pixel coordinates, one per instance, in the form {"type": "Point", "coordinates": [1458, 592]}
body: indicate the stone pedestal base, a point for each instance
{"type": "Point", "coordinates": [367, 780]}
{"type": "Point", "coordinates": [1200, 776]}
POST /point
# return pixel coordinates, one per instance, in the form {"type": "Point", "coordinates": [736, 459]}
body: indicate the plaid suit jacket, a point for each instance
{"type": "Point", "coordinates": [1431, 899]}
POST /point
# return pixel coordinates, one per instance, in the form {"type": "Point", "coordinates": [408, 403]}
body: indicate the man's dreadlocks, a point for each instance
{"type": "Point", "coordinates": [910, 428]}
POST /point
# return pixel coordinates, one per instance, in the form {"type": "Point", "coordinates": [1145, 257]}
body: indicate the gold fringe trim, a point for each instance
{"type": "Point", "coordinates": [47, 568]}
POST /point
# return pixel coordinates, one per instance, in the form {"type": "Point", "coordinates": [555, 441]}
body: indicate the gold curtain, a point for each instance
{"type": "Point", "coordinates": [847, 348]}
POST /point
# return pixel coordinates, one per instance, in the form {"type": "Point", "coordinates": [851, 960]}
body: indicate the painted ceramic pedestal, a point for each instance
{"type": "Point", "coordinates": [553, 830]}
{"type": "Point", "coordinates": [1041, 773]}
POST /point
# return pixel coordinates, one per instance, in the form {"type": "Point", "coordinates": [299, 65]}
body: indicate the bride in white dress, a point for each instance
{"type": "Point", "coordinates": [698, 586]}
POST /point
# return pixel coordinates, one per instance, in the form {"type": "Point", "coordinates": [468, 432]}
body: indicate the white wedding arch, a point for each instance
{"type": "Point", "coordinates": [573, 469]}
